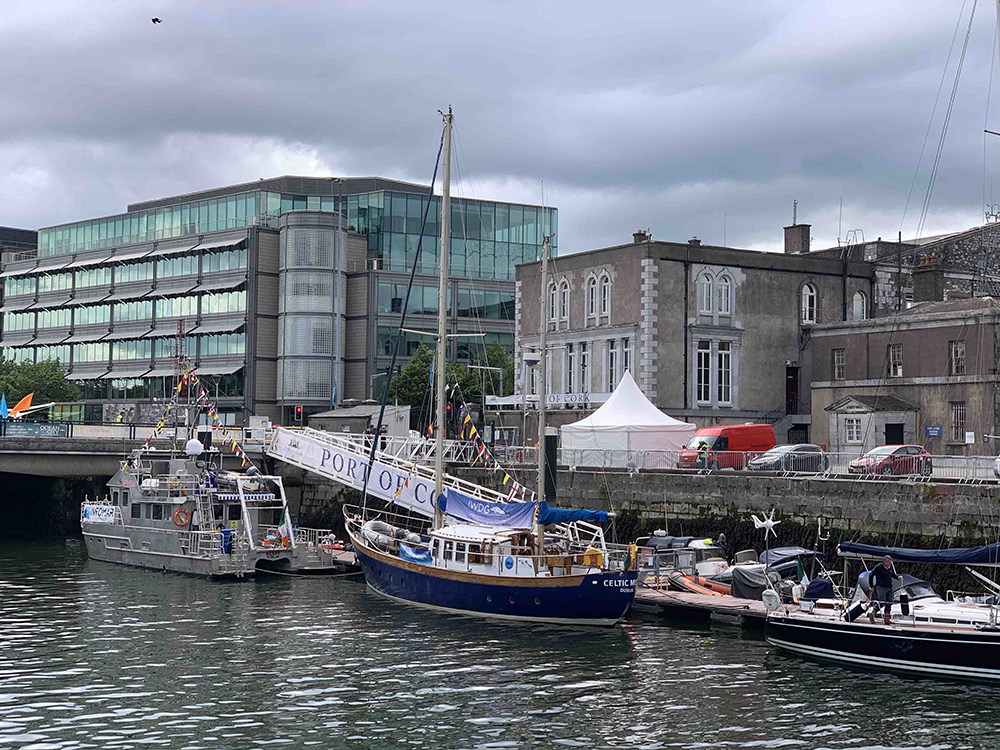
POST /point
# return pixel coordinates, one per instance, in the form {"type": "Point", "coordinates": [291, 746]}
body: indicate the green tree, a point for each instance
{"type": "Point", "coordinates": [45, 379]}
{"type": "Point", "coordinates": [413, 384]}
{"type": "Point", "coordinates": [497, 355]}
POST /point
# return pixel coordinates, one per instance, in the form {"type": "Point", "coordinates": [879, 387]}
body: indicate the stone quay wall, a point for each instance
{"type": "Point", "coordinates": [878, 508]}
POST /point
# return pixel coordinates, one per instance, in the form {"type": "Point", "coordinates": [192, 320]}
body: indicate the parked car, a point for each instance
{"type": "Point", "coordinates": [800, 457]}
{"type": "Point", "coordinates": [893, 459]}
{"type": "Point", "coordinates": [729, 446]}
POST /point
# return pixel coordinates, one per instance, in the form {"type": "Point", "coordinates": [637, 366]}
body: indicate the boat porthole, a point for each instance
{"type": "Point", "coordinates": [390, 578]}
{"type": "Point", "coordinates": [402, 580]}
{"type": "Point", "coordinates": [594, 582]}
{"type": "Point", "coordinates": [489, 598]}
{"type": "Point", "coordinates": [510, 599]}
{"type": "Point", "coordinates": [537, 600]}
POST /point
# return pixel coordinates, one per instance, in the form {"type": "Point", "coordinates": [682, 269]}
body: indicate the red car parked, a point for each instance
{"type": "Point", "coordinates": [893, 459]}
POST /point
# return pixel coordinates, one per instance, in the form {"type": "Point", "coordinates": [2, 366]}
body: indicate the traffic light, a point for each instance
{"type": "Point", "coordinates": [298, 414]}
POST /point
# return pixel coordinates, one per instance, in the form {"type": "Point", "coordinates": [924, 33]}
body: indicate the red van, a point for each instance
{"type": "Point", "coordinates": [729, 446]}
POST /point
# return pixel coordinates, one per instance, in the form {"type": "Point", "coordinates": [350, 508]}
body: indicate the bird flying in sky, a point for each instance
{"type": "Point", "coordinates": [157, 20]}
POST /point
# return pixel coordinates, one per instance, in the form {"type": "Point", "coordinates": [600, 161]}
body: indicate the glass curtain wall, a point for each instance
{"type": "Point", "coordinates": [488, 239]}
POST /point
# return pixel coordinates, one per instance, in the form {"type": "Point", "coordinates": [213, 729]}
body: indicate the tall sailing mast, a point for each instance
{"type": "Point", "coordinates": [543, 371]}
{"type": "Point", "coordinates": [442, 334]}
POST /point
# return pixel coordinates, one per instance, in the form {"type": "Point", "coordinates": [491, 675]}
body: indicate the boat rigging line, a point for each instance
{"type": "Point", "coordinates": [402, 321]}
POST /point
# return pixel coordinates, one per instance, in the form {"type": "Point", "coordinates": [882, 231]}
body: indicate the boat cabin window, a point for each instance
{"type": "Point", "coordinates": [234, 513]}
{"type": "Point", "coordinates": [114, 497]}
{"type": "Point", "coordinates": [157, 511]}
{"type": "Point", "coordinates": [460, 552]}
{"type": "Point", "coordinates": [449, 550]}
{"type": "Point", "coordinates": [136, 510]}
{"type": "Point", "coordinates": [149, 510]}
{"type": "Point", "coordinates": [124, 498]}
{"type": "Point", "coordinates": [475, 554]}
{"type": "Point", "coordinates": [217, 512]}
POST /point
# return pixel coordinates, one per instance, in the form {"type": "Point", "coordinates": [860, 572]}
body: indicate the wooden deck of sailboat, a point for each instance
{"type": "Point", "coordinates": [746, 613]}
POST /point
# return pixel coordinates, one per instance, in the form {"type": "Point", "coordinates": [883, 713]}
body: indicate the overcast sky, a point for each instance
{"type": "Point", "coordinates": [663, 115]}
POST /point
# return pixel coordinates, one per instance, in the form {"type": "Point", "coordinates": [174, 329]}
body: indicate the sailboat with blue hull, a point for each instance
{"type": "Point", "coordinates": [483, 556]}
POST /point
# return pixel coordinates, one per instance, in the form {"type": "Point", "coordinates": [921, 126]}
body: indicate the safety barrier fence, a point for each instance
{"type": "Point", "coordinates": [821, 464]}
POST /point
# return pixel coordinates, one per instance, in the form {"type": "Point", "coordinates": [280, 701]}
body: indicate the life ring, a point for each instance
{"type": "Point", "coordinates": [181, 517]}
{"type": "Point", "coordinates": [520, 456]}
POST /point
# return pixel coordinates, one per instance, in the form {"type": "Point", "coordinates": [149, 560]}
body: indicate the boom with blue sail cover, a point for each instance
{"type": "Point", "coordinates": [464, 507]}
{"type": "Point", "coordinates": [984, 555]}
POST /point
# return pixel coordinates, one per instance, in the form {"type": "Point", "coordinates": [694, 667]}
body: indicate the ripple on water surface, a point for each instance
{"type": "Point", "coordinates": [97, 655]}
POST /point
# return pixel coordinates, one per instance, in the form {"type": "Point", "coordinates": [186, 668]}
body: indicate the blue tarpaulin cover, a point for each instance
{"type": "Point", "coordinates": [510, 515]}
{"type": "Point", "coordinates": [983, 555]}
{"type": "Point", "coordinates": [412, 554]}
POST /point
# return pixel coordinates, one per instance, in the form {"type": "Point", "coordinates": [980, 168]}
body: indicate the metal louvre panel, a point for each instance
{"type": "Point", "coordinates": [306, 379]}
{"type": "Point", "coordinates": [307, 335]}
{"type": "Point", "coordinates": [307, 291]}
{"type": "Point", "coordinates": [309, 248]}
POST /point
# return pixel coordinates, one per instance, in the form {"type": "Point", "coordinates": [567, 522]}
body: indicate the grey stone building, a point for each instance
{"type": "Point", "coordinates": [927, 375]}
{"type": "Point", "coordinates": [712, 335]}
{"type": "Point", "coordinates": [287, 291]}
{"type": "Point", "coordinates": [968, 263]}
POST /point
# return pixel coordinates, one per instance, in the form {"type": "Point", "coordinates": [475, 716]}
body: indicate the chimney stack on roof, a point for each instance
{"type": "Point", "coordinates": [694, 241]}
{"type": "Point", "coordinates": [641, 236]}
{"type": "Point", "coordinates": [797, 239]}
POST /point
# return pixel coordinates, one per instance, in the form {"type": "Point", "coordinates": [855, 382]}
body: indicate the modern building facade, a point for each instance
{"type": "Point", "coordinates": [14, 242]}
{"type": "Point", "coordinates": [281, 292]}
{"type": "Point", "coordinates": [927, 375]}
{"type": "Point", "coordinates": [712, 335]}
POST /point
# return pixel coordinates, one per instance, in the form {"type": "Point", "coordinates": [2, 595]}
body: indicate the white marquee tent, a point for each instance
{"type": "Point", "coordinates": [627, 421]}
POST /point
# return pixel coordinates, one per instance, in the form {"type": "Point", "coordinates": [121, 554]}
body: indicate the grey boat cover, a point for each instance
{"type": "Point", "coordinates": [748, 582]}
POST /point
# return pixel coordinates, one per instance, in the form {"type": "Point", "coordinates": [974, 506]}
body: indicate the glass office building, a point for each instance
{"type": "Point", "coordinates": [233, 270]}
{"type": "Point", "coordinates": [488, 239]}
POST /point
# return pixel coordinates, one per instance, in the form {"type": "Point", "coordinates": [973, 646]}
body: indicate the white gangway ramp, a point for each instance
{"type": "Point", "coordinates": [344, 460]}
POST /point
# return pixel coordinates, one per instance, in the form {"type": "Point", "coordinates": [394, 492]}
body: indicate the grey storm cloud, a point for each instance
{"type": "Point", "coordinates": [645, 114]}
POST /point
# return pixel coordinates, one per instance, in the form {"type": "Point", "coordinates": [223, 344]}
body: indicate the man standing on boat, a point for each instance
{"type": "Point", "coordinates": [880, 589]}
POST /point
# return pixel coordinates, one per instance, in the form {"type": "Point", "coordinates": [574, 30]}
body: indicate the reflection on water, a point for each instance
{"type": "Point", "coordinates": [97, 655]}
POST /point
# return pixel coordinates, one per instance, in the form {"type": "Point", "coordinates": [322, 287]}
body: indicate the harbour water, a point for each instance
{"type": "Point", "coordinates": [97, 655]}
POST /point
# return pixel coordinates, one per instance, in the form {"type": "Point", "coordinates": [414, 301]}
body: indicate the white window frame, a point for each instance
{"type": "Point", "coordinates": [861, 314]}
{"type": "Point", "coordinates": [895, 363]}
{"type": "Point", "coordinates": [724, 373]}
{"type": "Point", "coordinates": [564, 303]}
{"type": "Point", "coordinates": [840, 364]}
{"type": "Point", "coordinates": [553, 302]}
{"type": "Point", "coordinates": [809, 303]}
{"type": "Point", "coordinates": [605, 297]}
{"type": "Point", "coordinates": [953, 358]}
{"type": "Point", "coordinates": [853, 425]}
{"type": "Point", "coordinates": [611, 364]}
{"type": "Point", "coordinates": [705, 294]}
{"type": "Point", "coordinates": [724, 294]}
{"type": "Point", "coordinates": [591, 300]}
{"type": "Point", "coordinates": [703, 369]}
{"type": "Point", "coordinates": [569, 374]}
{"type": "Point", "coordinates": [584, 367]}
{"type": "Point", "coordinates": [628, 355]}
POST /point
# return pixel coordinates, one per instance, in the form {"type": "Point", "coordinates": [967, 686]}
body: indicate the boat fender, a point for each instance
{"type": "Point", "coordinates": [855, 611]}
{"type": "Point", "coordinates": [771, 599]}
{"type": "Point", "coordinates": [904, 603]}
{"type": "Point", "coordinates": [181, 517]}
{"type": "Point", "coordinates": [520, 457]}
{"type": "Point", "coordinates": [412, 538]}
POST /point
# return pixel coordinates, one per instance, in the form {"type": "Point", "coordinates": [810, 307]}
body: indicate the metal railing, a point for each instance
{"type": "Point", "coordinates": [974, 469]}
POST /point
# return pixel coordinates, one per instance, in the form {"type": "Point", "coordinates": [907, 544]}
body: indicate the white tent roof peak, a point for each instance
{"type": "Point", "coordinates": [629, 406]}
{"type": "Point", "coordinates": [627, 421]}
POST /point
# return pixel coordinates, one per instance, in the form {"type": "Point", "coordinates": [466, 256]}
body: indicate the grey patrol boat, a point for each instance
{"type": "Point", "coordinates": [184, 515]}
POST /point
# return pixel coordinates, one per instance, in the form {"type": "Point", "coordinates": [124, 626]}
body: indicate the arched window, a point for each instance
{"type": "Point", "coordinates": [591, 297]}
{"type": "Point", "coordinates": [564, 303]}
{"type": "Point", "coordinates": [859, 308]}
{"type": "Point", "coordinates": [605, 296]}
{"type": "Point", "coordinates": [724, 291]}
{"type": "Point", "coordinates": [705, 294]}
{"type": "Point", "coordinates": [553, 312]}
{"type": "Point", "coordinates": [808, 304]}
